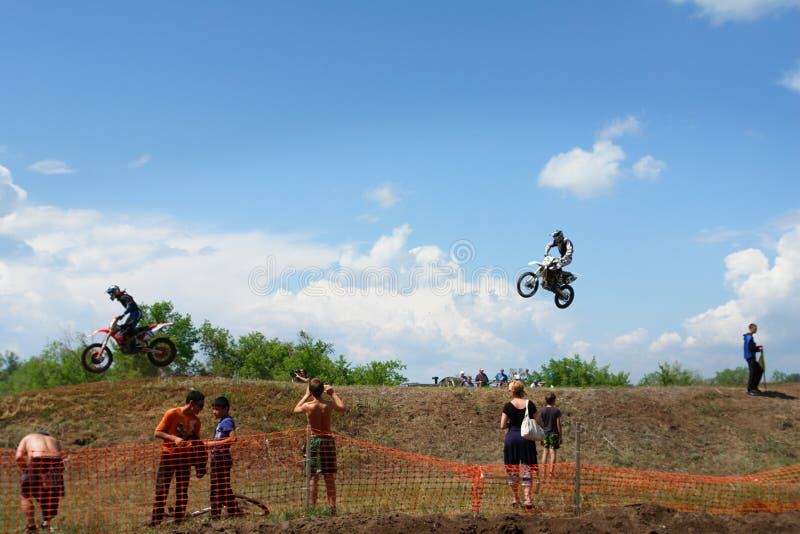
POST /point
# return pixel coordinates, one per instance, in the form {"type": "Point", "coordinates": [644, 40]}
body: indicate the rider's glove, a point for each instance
{"type": "Point", "coordinates": [118, 318]}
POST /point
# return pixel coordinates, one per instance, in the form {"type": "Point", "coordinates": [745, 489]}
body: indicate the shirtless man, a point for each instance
{"type": "Point", "coordinates": [41, 460]}
{"type": "Point", "coordinates": [322, 447]}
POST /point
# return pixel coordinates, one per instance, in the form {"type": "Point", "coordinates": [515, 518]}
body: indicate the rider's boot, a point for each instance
{"type": "Point", "coordinates": [556, 281]}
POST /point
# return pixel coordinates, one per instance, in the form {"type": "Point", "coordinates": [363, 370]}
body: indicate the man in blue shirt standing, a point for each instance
{"type": "Point", "coordinates": [750, 349]}
{"type": "Point", "coordinates": [501, 378]}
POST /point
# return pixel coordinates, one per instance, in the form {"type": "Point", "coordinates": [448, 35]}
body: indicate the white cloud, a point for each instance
{"type": "Point", "coordinates": [743, 264]}
{"type": "Point", "coordinates": [582, 348]}
{"type": "Point", "coordinates": [51, 166]}
{"type": "Point", "coordinates": [619, 127]}
{"type": "Point", "coordinates": [385, 250]}
{"type": "Point", "coordinates": [11, 195]}
{"type": "Point", "coordinates": [668, 340]}
{"type": "Point", "coordinates": [277, 284]}
{"type": "Point", "coordinates": [141, 161]}
{"type": "Point", "coordinates": [765, 292]}
{"type": "Point", "coordinates": [587, 174]}
{"type": "Point", "coordinates": [584, 174]}
{"type": "Point", "coordinates": [791, 80]}
{"type": "Point", "coordinates": [649, 168]}
{"type": "Point", "coordinates": [384, 195]}
{"type": "Point", "coordinates": [634, 338]}
{"type": "Point", "coordinates": [721, 11]}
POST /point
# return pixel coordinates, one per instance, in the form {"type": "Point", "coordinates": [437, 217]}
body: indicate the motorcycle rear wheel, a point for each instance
{"type": "Point", "coordinates": [527, 284]}
{"type": "Point", "coordinates": [569, 292]}
{"type": "Point", "coordinates": [93, 360]}
{"type": "Point", "coordinates": [163, 352]}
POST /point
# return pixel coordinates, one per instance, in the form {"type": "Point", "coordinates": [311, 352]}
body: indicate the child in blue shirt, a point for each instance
{"type": "Point", "coordinates": [221, 460]}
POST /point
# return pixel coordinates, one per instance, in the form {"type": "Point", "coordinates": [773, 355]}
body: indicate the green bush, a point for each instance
{"type": "Point", "coordinates": [671, 375]}
{"type": "Point", "coordinates": [576, 372]}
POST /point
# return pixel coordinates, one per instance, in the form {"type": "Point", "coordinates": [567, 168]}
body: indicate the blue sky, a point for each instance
{"type": "Point", "coordinates": [176, 149]}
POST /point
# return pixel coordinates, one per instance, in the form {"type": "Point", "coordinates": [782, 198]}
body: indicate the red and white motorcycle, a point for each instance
{"type": "Point", "coordinates": [161, 351]}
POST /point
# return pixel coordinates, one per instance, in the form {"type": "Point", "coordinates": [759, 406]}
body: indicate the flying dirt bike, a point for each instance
{"type": "Point", "coordinates": [161, 351]}
{"type": "Point", "coordinates": [528, 282]}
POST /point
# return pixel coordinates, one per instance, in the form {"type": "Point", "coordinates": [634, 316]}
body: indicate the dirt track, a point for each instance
{"type": "Point", "coordinates": [629, 519]}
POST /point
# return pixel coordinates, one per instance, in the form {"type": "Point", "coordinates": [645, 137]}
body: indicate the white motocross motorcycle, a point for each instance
{"type": "Point", "coordinates": [547, 272]}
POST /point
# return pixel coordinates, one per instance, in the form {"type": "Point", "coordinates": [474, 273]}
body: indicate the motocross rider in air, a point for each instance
{"type": "Point", "coordinates": [557, 277]}
{"type": "Point", "coordinates": [128, 328]}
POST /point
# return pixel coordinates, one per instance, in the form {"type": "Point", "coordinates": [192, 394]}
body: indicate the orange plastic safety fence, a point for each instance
{"type": "Point", "coordinates": [113, 489]}
{"type": "Point", "coordinates": [555, 492]}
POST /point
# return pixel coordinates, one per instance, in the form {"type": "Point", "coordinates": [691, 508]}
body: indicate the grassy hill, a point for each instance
{"type": "Point", "coordinates": [703, 430]}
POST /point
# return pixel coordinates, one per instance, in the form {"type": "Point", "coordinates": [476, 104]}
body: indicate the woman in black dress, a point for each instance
{"type": "Point", "coordinates": [518, 450]}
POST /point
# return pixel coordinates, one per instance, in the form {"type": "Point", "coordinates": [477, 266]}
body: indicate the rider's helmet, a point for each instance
{"type": "Point", "coordinates": [558, 237]}
{"type": "Point", "coordinates": [112, 292]}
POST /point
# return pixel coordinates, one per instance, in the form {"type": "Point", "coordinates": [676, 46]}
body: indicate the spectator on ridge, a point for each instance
{"type": "Point", "coordinates": [501, 378]}
{"type": "Point", "coordinates": [481, 379]}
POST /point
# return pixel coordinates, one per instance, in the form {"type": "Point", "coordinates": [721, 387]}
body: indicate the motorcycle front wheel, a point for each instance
{"type": "Point", "coordinates": [569, 292]}
{"type": "Point", "coordinates": [162, 351]}
{"type": "Point", "coordinates": [527, 284]}
{"type": "Point", "coordinates": [95, 361]}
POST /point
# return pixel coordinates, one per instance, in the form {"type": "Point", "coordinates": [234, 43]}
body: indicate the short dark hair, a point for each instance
{"type": "Point", "coordinates": [221, 402]}
{"type": "Point", "coordinates": [195, 396]}
{"type": "Point", "coordinates": [752, 325]}
{"type": "Point", "coordinates": [550, 398]}
{"type": "Point", "coordinates": [316, 387]}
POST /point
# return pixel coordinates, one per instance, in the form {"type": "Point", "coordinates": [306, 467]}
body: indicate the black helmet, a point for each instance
{"type": "Point", "coordinates": [558, 236]}
{"type": "Point", "coordinates": [111, 291]}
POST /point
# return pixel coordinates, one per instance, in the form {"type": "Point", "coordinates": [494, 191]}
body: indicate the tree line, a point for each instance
{"type": "Point", "coordinates": [205, 350]}
{"type": "Point", "coordinates": [576, 372]}
{"type": "Point", "coordinates": [209, 350]}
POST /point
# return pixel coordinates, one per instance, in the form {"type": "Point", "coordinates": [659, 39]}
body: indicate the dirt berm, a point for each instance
{"type": "Point", "coordinates": [699, 430]}
{"type": "Point", "coordinates": [628, 519]}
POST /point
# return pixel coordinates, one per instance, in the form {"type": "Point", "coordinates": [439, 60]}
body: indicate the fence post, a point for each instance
{"type": "Point", "coordinates": [478, 483]}
{"type": "Point", "coordinates": [308, 466]}
{"type": "Point", "coordinates": [577, 469]}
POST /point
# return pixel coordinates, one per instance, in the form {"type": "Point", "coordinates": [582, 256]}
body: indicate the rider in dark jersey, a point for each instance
{"type": "Point", "coordinates": [128, 328]}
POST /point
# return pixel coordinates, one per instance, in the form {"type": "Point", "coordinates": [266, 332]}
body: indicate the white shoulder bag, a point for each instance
{"type": "Point", "coordinates": [530, 429]}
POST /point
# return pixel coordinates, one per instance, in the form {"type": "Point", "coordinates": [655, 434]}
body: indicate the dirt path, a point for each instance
{"type": "Point", "coordinates": [628, 519]}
